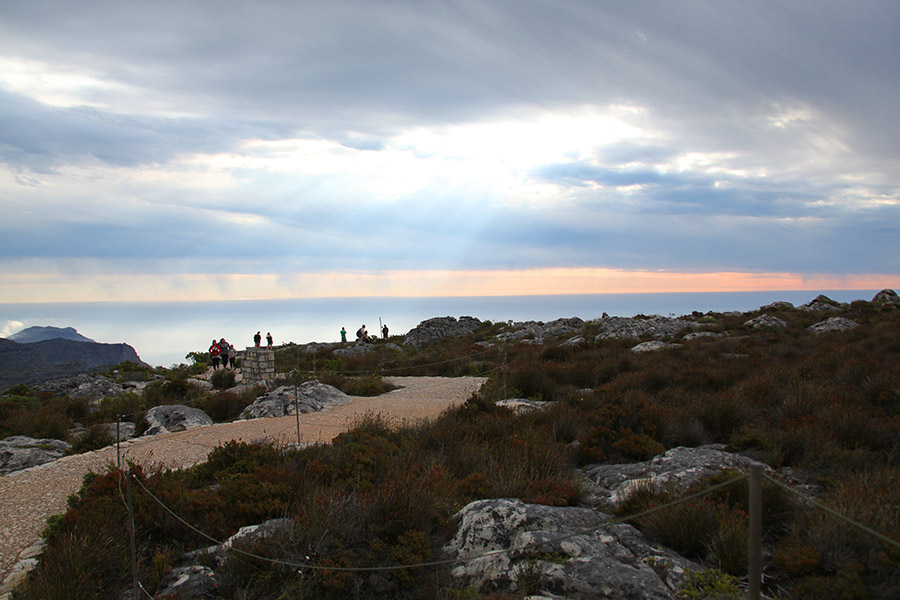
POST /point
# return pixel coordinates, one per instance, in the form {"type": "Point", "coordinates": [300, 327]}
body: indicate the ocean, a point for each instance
{"type": "Point", "coordinates": [164, 332]}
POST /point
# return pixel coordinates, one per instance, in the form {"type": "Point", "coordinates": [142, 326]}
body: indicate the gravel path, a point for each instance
{"type": "Point", "coordinates": [28, 497]}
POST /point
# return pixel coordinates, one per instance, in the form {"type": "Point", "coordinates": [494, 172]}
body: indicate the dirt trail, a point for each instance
{"type": "Point", "coordinates": [28, 497]}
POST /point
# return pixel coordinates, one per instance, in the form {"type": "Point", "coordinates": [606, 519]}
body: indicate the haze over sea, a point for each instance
{"type": "Point", "coordinates": [163, 332]}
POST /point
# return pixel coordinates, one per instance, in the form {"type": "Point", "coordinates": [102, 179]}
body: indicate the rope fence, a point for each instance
{"type": "Point", "coordinates": [754, 541]}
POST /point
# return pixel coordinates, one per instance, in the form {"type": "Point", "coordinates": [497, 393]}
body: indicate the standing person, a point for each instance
{"type": "Point", "coordinates": [224, 352]}
{"type": "Point", "coordinates": [232, 354]}
{"type": "Point", "coordinates": [257, 339]}
{"type": "Point", "coordinates": [268, 340]}
{"type": "Point", "coordinates": [343, 335]}
{"type": "Point", "coordinates": [214, 352]}
{"type": "Point", "coordinates": [384, 332]}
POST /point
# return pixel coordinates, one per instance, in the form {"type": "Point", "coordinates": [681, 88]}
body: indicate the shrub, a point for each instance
{"type": "Point", "coordinates": [710, 584]}
{"type": "Point", "coordinates": [95, 437]}
{"type": "Point", "coordinates": [222, 379]}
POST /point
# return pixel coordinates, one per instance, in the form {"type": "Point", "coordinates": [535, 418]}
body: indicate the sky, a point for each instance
{"type": "Point", "coordinates": [217, 150]}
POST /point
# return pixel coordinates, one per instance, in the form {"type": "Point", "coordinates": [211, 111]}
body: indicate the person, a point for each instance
{"type": "Point", "coordinates": [214, 352]}
{"type": "Point", "coordinates": [257, 339]}
{"type": "Point", "coordinates": [343, 335]}
{"type": "Point", "coordinates": [232, 354]}
{"type": "Point", "coordinates": [384, 332]}
{"type": "Point", "coordinates": [224, 353]}
{"type": "Point", "coordinates": [268, 340]}
{"type": "Point", "coordinates": [361, 334]}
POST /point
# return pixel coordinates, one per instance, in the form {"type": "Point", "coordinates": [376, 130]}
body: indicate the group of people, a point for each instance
{"type": "Point", "coordinates": [223, 352]}
{"type": "Point", "coordinates": [362, 335]}
{"type": "Point", "coordinates": [257, 340]}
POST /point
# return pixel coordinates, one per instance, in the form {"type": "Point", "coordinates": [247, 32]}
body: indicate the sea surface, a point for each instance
{"type": "Point", "coordinates": [164, 332]}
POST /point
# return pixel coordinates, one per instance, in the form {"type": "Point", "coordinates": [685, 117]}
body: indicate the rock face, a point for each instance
{"type": "Point", "coordinates": [765, 321]}
{"type": "Point", "coordinates": [887, 297]}
{"type": "Point", "coordinates": [438, 328]}
{"type": "Point", "coordinates": [174, 417]}
{"type": "Point", "coordinates": [93, 388]}
{"type": "Point", "coordinates": [20, 452]}
{"type": "Point", "coordinates": [832, 324]}
{"type": "Point", "coordinates": [628, 327]}
{"type": "Point", "coordinates": [581, 557]}
{"type": "Point", "coordinates": [522, 406]}
{"type": "Point", "coordinates": [312, 396]}
{"type": "Point", "coordinates": [57, 358]}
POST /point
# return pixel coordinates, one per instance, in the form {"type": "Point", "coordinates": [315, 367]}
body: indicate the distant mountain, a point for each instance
{"type": "Point", "coordinates": [39, 334]}
{"type": "Point", "coordinates": [56, 358]}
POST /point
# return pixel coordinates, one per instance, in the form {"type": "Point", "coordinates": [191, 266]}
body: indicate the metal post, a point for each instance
{"type": "Point", "coordinates": [134, 573]}
{"type": "Point", "coordinates": [118, 446]}
{"type": "Point", "coordinates": [297, 395]}
{"type": "Point", "coordinates": [754, 534]}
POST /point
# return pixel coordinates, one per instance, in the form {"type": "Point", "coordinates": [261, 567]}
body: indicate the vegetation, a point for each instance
{"type": "Point", "coordinates": [826, 407]}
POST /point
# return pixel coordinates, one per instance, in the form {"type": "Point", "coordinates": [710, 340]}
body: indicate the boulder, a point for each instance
{"type": "Point", "coordinates": [654, 346]}
{"type": "Point", "coordinates": [575, 342]}
{"type": "Point", "coordinates": [629, 327]}
{"type": "Point", "coordinates": [195, 581]}
{"type": "Point", "coordinates": [564, 552]}
{"type": "Point", "coordinates": [126, 430]}
{"type": "Point", "coordinates": [313, 347]}
{"type": "Point", "coordinates": [765, 321]}
{"type": "Point", "coordinates": [311, 396]}
{"type": "Point", "coordinates": [521, 406]}
{"type": "Point", "coordinates": [19, 452]}
{"type": "Point", "coordinates": [832, 324]}
{"type": "Point", "coordinates": [436, 329]}
{"type": "Point", "coordinates": [887, 298]}
{"type": "Point", "coordinates": [174, 417]}
{"type": "Point", "coordinates": [702, 334]}
{"type": "Point", "coordinates": [608, 485]}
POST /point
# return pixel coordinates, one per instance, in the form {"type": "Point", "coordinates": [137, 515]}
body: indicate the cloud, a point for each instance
{"type": "Point", "coordinates": [11, 327]}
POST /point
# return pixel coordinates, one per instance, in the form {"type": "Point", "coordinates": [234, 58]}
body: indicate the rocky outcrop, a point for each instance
{"type": "Point", "coordinates": [822, 303]}
{"type": "Point", "coordinates": [246, 537]}
{"type": "Point", "coordinates": [93, 388]}
{"type": "Point", "coordinates": [832, 324]}
{"type": "Point", "coordinates": [21, 452]}
{"type": "Point", "coordinates": [776, 306]}
{"type": "Point", "coordinates": [57, 358]}
{"type": "Point", "coordinates": [311, 396]}
{"type": "Point", "coordinates": [356, 349]}
{"type": "Point", "coordinates": [887, 298]}
{"type": "Point", "coordinates": [539, 331]}
{"type": "Point", "coordinates": [174, 417]}
{"type": "Point", "coordinates": [765, 321]}
{"type": "Point", "coordinates": [564, 552]}
{"type": "Point", "coordinates": [608, 485]}
{"type": "Point", "coordinates": [655, 327]}
{"type": "Point", "coordinates": [436, 329]}
{"type": "Point", "coordinates": [654, 346]}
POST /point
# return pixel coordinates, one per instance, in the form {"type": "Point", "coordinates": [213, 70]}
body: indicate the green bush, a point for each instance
{"type": "Point", "coordinates": [222, 379]}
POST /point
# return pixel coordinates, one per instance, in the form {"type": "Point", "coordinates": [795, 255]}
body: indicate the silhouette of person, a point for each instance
{"type": "Point", "coordinates": [384, 332]}
{"type": "Point", "coordinates": [257, 339]}
{"type": "Point", "coordinates": [268, 340]}
{"type": "Point", "coordinates": [343, 334]}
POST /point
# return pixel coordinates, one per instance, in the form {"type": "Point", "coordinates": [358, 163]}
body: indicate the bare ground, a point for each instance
{"type": "Point", "coordinates": [28, 498]}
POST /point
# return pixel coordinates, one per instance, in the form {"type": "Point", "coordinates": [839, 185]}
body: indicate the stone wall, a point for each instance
{"type": "Point", "coordinates": [258, 365]}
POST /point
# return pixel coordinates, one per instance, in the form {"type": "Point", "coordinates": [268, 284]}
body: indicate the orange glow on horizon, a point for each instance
{"type": "Point", "coordinates": [30, 288]}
